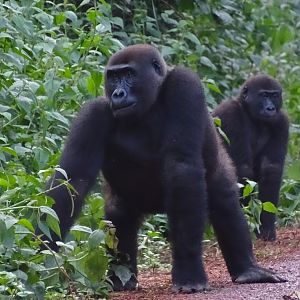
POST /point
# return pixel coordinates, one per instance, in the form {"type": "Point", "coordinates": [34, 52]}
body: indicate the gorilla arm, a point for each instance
{"type": "Point", "coordinates": [184, 177]}
{"type": "Point", "coordinates": [82, 159]}
{"type": "Point", "coordinates": [236, 125]}
{"type": "Point", "coordinates": [271, 170]}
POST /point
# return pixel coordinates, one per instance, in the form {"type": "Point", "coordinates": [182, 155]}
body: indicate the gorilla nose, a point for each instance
{"type": "Point", "coordinates": [271, 108]}
{"type": "Point", "coordinates": [118, 95]}
{"type": "Point", "coordinates": [120, 99]}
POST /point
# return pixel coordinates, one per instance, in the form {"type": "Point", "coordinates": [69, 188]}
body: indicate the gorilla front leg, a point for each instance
{"type": "Point", "coordinates": [269, 186]}
{"type": "Point", "coordinates": [126, 225]}
{"type": "Point", "coordinates": [186, 209]}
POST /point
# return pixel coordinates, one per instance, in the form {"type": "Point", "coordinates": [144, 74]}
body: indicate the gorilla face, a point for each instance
{"type": "Point", "coordinates": [262, 96]}
{"type": "Point", "coordinates": [133, 81]}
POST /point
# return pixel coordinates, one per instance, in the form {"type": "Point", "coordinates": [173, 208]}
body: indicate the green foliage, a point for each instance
{"type": "Point", "coordinates": [153, 246]}
{"type": "Point", "coordinates": [50, 63]}
{"type": "Point", "coordinates": [52, 57]}
{"type": "Point", "coordinates": [254, 207]}
{"type": "Point", "coordinates": [218, 124]}
{"type": "Point", "coordinates": [289, 210]}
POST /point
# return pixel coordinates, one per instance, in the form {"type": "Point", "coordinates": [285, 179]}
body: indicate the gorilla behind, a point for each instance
{"type": "Point", "coordinates": [258, 132]}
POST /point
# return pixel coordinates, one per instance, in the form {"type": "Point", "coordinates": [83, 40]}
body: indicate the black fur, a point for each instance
{"type": "Point", "coordinates": [157, 147]}
{"type": "Point", "coordinates": [258, 133]}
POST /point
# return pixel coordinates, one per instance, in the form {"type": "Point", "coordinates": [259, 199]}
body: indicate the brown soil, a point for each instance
{"type": "Point", "coordinates": [283, 256]}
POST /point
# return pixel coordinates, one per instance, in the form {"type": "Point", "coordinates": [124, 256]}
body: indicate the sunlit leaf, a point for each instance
{"type": "Point", "coordinates": [269, 207]}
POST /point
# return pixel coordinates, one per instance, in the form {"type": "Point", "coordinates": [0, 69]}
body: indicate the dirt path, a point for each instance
{"type": "Point", "coordinates": [283, 256]}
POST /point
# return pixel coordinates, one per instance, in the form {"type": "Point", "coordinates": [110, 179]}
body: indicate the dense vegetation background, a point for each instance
{"type": "Point", "coordinates": [52, 56]}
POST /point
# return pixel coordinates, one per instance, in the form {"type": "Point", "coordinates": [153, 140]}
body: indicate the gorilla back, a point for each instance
{"type": "Point", "coordinates": [156, 145]}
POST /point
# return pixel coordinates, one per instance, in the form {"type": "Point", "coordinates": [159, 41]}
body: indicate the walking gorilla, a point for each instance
{"type": "Point", "coordinates": [155, 142]}
{"type": "Point", "coordinates": [258, 134]}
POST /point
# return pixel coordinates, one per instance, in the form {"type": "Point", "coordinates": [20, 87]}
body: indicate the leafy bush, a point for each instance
{"type": "Point", "coordinates": [50, 63]}
{"type": "Point", "coordinates": [52, 57]}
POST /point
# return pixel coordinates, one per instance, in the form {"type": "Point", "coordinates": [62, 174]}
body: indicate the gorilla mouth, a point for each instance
{"type": "Point", "coordinates": [269, 115]}
{"type": "Point", "coordinates": [123, 108]}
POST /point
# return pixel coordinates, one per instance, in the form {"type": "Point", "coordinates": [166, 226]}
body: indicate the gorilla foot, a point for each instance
{"type": "Point", "coordinates": [258, 275]}
{"type": "Point", "coordinates": [131, 285]}
{"type": "Point", "coordinates": [190, 288]}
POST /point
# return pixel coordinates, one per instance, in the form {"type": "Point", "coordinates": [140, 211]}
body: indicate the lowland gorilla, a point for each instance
{"type": "Point", "coordinates": [154, 140]}
{"type": "Point", "coordinates": [258, 134]}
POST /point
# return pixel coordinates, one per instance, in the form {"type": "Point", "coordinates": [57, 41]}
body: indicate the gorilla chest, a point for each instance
{"type": "Point", "coordinates": [132, 167]}
{"type": "Point", "coordinates": [139, 146]}
{"type": "Point", "coordinates": [260, 139]}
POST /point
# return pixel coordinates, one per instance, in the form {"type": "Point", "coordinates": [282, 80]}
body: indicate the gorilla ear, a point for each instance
{"type": "Point", "coordinates": [157, 67]}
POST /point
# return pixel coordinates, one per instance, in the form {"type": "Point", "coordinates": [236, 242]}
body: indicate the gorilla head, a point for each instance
{"type": "Point", "coordinates": [261, 95]}
{"type": "Point", "coordinates": [133, 78]}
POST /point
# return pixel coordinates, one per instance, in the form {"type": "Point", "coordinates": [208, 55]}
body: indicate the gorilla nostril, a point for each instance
{"type": "Point", "coordinates": [119, 94]}
{"type": "Point", "coordinates": [270, 108]}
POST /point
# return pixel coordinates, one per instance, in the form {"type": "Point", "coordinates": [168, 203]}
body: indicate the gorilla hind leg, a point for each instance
{"type": "Point", "coordinates": [232, 231]}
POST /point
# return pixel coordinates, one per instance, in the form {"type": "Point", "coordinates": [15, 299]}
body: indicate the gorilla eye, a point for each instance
{"type": "Point", "coordinates": [129, 77]}
{"type": "Point", "coordinates": [156, 66]}
{"type": "Point", "coordinates": [114, 78]}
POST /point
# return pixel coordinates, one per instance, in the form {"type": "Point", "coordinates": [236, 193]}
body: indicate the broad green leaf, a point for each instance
{"type": "Point", "coordinates": [25, 103]}
{"type": "Point", "coordinates": [27, 224]}
{"type": "Point", "coordinates": [217, 121]}
{"type": "Point", "coordinates": [293, 171]}
{"type": "Point", "coordinates": [123, 273]}
{"type": "Point", "coordinates": [9, 151]}
{"type": "Point", "coordinates": [118, 21]}
{"type": "Point", "coordinates": [5, 35]}
{"type": "Point", "coordinates": [207, 62]}
{"type": "Point", "coordinates": [52, 86]}
{"type": "Point", "coordinates": [44, 228]}
{"type": "Point", "coordinates": [4, 182]}
{"type": "Point", "coordinates": [223, 16]}
{"type": "Point", "coordinates": [96, 264]}
{"type": "Point", "coordinates": [269, 207]}
{"type": "Point", "coordinates": [4, 108]}
{"type": "Point", "coordinates": [45, 19]}
{"type": "Point", "coordinates": [214, 88]}
{"type": "Point", "coordinates": [282, 35]}
{"type": "Point", "coordinates": [71, 16]}
{"type": "Point", "coordinates": [10, 221]}
{"type": "Point", "coordinates": [62, 171]}
{"type": "Point", "coordinates": [80, 228]}
{"type": "Point", "coordinates": [6, 115]}
{"type": "Point", "coordinates": [53, 224]}
{"type": "Point", "coordinates": [193, 38]}
{"type": "Point", "coordinates": [251, 183]}
{"type": "Point", "coordinates": [91, 16]}
{"type": "Point", "coordinates": [20, 150]}
{"type": "Point", "coordinates": [91, 86]}
{"type": "Point", "coordinates": [57, 116]}
{"type": "Point", "coordinates": [60, 18]}
{"type": "Point", "coordinates": [23, 25]}
{"type": "Point", "coordinates": [248, 189]}
{"type": "Point", "coordinates": [49, 211]}
{"type": "Point", "coordinates": [84, 2]}
{"type": "Point", "coordinates": [96, 238]}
